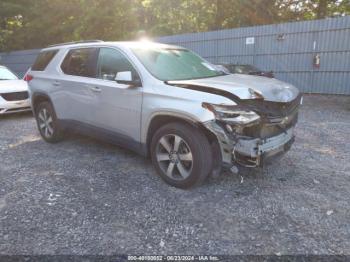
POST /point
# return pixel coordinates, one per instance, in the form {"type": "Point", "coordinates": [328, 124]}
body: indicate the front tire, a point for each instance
{"type": "Point", "coordinates": [47, 123]}
{"type": "Point", "coordinates": [181, 154]}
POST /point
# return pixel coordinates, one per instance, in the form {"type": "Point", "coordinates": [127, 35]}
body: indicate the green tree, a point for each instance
{"type": "Point", "coordinates": [163, 17]}
{"type": "Point", "coordinates": [106, 19]}
{"type": "Point", "coordinates": [291, 10]}
{"type": "Point", "coordinates": [37, 23]}
{"type": "Point", "coordinates": [10, 19]}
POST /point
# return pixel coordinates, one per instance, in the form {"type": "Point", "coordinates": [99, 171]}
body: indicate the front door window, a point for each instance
{"type": "Point", "coordinates": [111, 62]}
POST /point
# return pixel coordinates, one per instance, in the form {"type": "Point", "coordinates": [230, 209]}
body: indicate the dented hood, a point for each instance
{"type": "Point", "coordinates": [243, 86]}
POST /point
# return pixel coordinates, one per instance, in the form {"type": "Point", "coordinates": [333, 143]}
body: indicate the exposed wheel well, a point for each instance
{"type": "Point", "coordinates": [159, 121]}
{"type": "Point", "coordinates": [39, 98]}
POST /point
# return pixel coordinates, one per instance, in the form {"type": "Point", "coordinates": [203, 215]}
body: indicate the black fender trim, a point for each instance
{"type": "Point", "coordinates": [41, 94]}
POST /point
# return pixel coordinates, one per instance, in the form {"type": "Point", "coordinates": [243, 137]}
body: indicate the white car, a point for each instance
{"type": "Point", "coordinates": [13, 93]}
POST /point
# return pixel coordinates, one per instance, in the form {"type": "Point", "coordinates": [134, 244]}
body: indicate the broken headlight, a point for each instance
{"type": "Point", "coordinates": [235, 115]}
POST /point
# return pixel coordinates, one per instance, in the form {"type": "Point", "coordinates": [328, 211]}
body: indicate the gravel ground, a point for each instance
{"type": "Point", "coordinates": [83, 196]}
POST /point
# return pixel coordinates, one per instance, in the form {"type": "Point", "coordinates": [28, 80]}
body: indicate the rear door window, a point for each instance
{"type": "Point", "coordinates": [43, 59]}
{"type": "Point", "coordinates": [81, 62]}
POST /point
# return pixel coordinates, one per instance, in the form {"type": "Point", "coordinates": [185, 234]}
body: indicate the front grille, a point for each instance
{"type": "Point", "coordinates": [271, 110]}
{"type": "Point", "coordinates": [276, 117]}
{"type": "Point", "coordinates": [265, 130]}
{"type": "Point", "coordinates": [16, 96]}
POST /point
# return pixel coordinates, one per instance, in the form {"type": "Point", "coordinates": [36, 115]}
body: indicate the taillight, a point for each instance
{"type": "Point", "coordinates": [28, 78]}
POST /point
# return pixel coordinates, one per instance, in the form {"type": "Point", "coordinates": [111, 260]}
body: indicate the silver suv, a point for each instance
{"type": "Point", "coordinates": [165, 102]}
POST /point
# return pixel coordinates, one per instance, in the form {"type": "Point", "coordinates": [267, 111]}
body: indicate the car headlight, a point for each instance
{"type": "Point", "coordinates": [233, 114]}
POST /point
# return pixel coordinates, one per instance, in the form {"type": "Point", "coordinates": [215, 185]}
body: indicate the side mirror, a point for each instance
{"type": "Point", "coordinates": [126, 79]}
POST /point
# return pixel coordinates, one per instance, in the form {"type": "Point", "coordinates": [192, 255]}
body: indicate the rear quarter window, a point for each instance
{"type": "Point", "coordinates": [43, 59]}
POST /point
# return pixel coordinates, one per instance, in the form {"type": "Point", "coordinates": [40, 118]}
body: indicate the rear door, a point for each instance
{"type": "Point", "coordinates": [76, 91]}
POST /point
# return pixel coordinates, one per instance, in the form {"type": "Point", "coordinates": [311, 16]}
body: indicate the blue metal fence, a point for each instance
{"type": "Point", "coordinates": [19, 61]}
{"type": "Point", "coordinates": [287, 49]}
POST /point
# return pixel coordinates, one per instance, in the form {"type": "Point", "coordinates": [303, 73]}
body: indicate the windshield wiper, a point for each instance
{"type": "Point", "coordinates": [196, 78]}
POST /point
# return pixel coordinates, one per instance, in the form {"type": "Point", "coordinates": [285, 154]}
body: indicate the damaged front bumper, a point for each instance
{"type": "Point", "coordinates": [256, 152]}
{"type": "Point", "coordinates": [249, 151]}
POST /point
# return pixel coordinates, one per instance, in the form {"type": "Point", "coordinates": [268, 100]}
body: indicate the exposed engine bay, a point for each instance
{"type": "Point", "coordinates": [254, 144]}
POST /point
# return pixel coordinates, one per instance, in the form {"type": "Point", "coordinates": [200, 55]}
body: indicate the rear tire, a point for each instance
{"type": "Point", "coordinates": [47, 122]}
{"type": "Point", "coordinates": [181, 154]}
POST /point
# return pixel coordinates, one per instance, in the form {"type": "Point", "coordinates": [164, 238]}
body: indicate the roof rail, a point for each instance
{"type": "Point", "coordinates": [77, 42]}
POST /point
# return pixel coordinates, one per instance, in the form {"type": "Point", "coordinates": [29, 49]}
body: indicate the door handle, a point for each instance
{"type": "Point", "coordinates": [56, 83]}
{"type": "Point", "coordinates": [95, 89]}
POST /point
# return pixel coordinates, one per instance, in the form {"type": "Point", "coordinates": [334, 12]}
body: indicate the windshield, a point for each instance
{"type": "Point", "coordinates": [6, 74]}
{"type": "Point", "coordinates": [175, 64]}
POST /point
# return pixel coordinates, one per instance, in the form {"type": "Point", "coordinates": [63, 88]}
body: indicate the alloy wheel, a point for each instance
{"type": "Point", "coordinates": [45, 123]}
{"type": "Point", "coordinates": [174, 157]}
